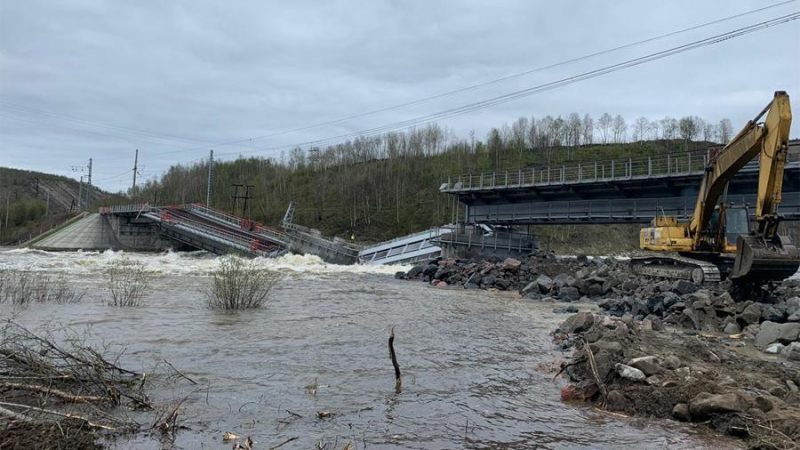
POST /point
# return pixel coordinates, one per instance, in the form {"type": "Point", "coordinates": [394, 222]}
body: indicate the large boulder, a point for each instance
{"type": "Point", "coordinates": [430, 270]}
{"type": "Point", "coordinates": [532, 286]}
{"type": "Point", "coordinates": [595, 289]}
{"type": "Point", "coordinates": [777, 332]}
{"type": "Point", "coordinates": [502, 284]}
{"type": "Point", "coordinates": [684, 287]}
{"type": "Point", "coordinates": [569, 294]}
{"type": "Point", "coordinates": [415, 272]}
{"type": "Point", "coordinates": [563, 279]}
{"type": "Point", "coordinates": [630, 373]}
{"type": "Point", "coordinates": [649, 365]}
{"type": "Point", "coordinates": [577, 323]}
{"type": "Point", "coordinates": [793, 309]}
{"type": "Point", "coordinates": [656, 305]}
{"type": "Point", "coordinates": [444, 273]}
{"type": "Point", "coordinates": [792, 351]}
{"type": "Point", "coordinates": [705, 404]}
{"type": "Point", "coordinates": [771, 313]}
{"type": "Point", "coordinates": [545, 283]}
{"type": "Point", "coordinates": [511, 264]}
{"type": "Point", "coordinates": [615, 307]}
{"type": "Point", "coordinates": [750, 315]}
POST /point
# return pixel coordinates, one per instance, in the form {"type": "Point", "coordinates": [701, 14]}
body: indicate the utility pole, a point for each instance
{"type": "Point", "coordinates": [235, 196]}
{"type": "Point", "coordinates": [210, 177]}
{"type": "Point", "coordinates": [81, 203]}
{"type": "Point", "coordinates": [247, 196]}
{"type": "Point", "coordinates": [80, 194]}
{"type": "Point", "coordinates": [135, 169]}
{"type": "Point", "coordinates": [89, 186]}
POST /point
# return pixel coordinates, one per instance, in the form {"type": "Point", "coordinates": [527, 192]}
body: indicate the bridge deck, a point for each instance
{"type": "Point", "coordinates": [614, 191]}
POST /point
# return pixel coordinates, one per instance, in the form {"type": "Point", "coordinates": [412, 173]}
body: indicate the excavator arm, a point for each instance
{"type": "Point", "coordinates": [763, 254]}
{"type": "Point", "coordinates": [773, 159]}
{"type": "Point", "coordinates": [720, 170]}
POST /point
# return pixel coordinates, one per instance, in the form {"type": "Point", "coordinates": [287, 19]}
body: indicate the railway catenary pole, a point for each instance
{"type": "Point", "coordinates": [89, 186]}
{"type": "Point", "coordinates": [135, 169]}
{"type": "Point", "coordinates": [210, 177]}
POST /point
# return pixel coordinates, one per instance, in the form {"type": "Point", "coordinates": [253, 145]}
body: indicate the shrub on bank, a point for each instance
{"type": "Point", "coordinates": [128, 283]}
{"type": "Point", "coordinates": [21, 288]}
{"type": "Point", "coordinates": [239, 284]}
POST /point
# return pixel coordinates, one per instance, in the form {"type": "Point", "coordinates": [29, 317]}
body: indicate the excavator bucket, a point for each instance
{"type": "Point", "coordinates": [760, 260]}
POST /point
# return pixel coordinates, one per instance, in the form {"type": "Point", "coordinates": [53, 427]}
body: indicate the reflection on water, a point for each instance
{"type": "Point", "coordinates": [469, 360]}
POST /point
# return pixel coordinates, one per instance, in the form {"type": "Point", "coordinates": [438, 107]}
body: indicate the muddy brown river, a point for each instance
{"type": "Point", "coordinates": [471, 360]}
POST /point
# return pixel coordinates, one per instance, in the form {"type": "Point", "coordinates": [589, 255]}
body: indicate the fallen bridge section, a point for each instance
{"type": "Point", "coordinates": [407, 249]}
{"type": "Point", "coordinates": [183, 224]}
{"type": "Point", "coordinates": [141, 227]}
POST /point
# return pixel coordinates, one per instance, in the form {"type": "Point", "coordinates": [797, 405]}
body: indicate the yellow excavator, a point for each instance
{"type": "Point", "coordinates": [718, 240]}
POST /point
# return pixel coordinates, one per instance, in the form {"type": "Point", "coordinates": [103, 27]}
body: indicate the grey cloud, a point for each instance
{"type": "Point", "coordinates": [198, 73]}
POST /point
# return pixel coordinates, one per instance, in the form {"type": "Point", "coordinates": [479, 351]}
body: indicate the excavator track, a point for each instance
{"type": "Point", "coordinates": [676, 267]}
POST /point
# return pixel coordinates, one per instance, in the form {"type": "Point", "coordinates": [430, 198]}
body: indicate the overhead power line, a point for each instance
{"type": "Point", "coordinates": [503, 78]}
{"type": "Point", "coordinates": [505, 98]}
{"type": "Point", "coordinates": [147, 135]}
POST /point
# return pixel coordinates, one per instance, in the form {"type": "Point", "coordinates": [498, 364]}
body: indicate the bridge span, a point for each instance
{"type": "Point", "coordinates": [629, 190]}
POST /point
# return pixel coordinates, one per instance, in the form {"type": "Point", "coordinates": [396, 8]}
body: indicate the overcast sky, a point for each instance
{"type": "Point", "coordinates": [92, 78]}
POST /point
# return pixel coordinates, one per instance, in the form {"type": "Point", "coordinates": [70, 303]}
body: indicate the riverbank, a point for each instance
{"type": "Point", "coordinates": [712, 354]}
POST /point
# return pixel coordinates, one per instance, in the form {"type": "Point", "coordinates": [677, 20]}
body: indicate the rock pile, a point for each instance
{"type": "Point", "coordinates": [773, 321]}
{"type": "Point", "coordinates": [537, 276]}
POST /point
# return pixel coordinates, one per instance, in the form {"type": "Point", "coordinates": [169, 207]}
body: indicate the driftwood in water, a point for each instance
{"type": "Point", "coordinates": [398, 381]}
{"type": "Point", "coordinates": [66, 396]}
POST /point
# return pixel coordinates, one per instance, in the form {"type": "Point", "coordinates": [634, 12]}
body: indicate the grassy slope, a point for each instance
{"type": "Point", "coordinates": [26, 194]}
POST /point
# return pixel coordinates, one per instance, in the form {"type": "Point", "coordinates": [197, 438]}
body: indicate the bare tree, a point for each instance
{"type": "Point", "coordinates": [669, 128]}
{"type": "Point", "coordinates": [557, 128]}
{"type": "Point", "coordinates": [533, 136]}
{"type": "Point", "coordinates": [725, 131]}
{"type": "Point", "coordinates": [709, 132]}
{"type": "Point", "coordinates": [495, 146]}
{"type": "Point", "coordinates": [653, 128]}
{"type": "Point", "coordinates": [519, 134]}
{"type": "Point", "coordinates": [588, 129]}
{"type": "Point", "coordinates": [700, 124]}
{"type": "Point", "coordinates": [688, 128]}
{"type": "Point", "coordinates": [619, 127]}
{"type": "Point", "coordinates": [604, 126]}
{"type": "Point", "coordinates": [640, 128]}
{"type": "Point", "coordinates": [573, 129]}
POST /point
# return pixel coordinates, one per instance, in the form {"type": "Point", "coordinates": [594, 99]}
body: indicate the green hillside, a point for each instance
{"type": "Point", "coordinates": [33, 202]}
{"type": "Point", "coordinates": [375, 188]}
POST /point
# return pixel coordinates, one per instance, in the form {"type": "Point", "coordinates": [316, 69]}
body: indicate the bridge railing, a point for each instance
{"type": "Point", "coordinates": [670, 164]}
{"type": "Point", "coordinates": [125, 209]}
{"type": "Point", "coordinates": [497, 240]}
{"type": "Point", "coordinates": [222, 235]}
{"type": "Point", "coordinates": [244, 224]}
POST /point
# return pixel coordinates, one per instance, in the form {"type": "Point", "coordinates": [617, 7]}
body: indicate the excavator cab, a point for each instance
{"type": "Point", "coordinates": [725, 225]}
{"type": "Point", "coordinates": [737, 224]}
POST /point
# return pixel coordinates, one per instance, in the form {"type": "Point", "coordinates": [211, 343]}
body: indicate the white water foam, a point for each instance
{"type": "Point", "coordinates": [168, 263]}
